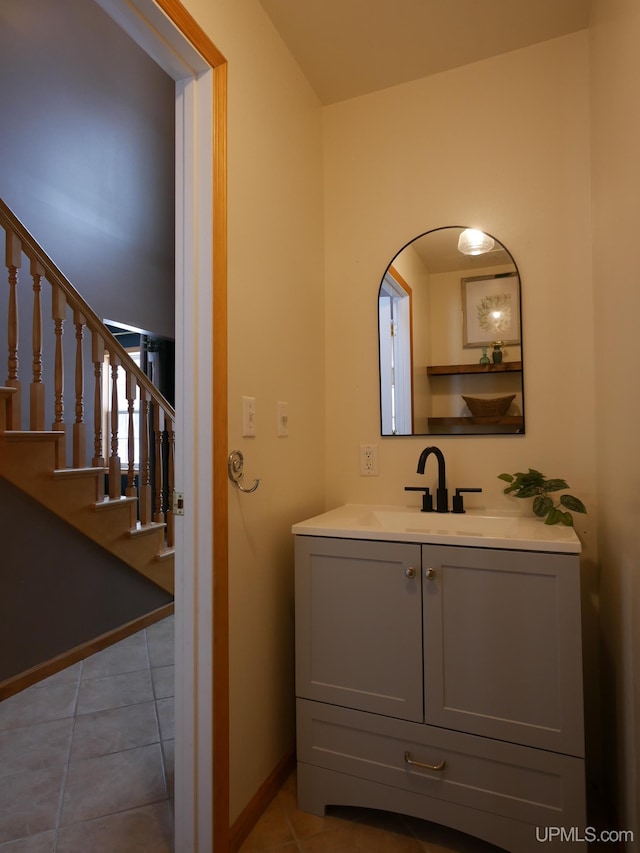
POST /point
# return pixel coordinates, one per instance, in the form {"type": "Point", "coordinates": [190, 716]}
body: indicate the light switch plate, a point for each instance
{"type": "Point", "coordinates": [248, 417]}
{"type": "Point", "coordinates": [283, 419]}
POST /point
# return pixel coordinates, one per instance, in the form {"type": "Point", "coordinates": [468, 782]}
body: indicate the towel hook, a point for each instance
{"type": "Point", "coordinates": [235, 467]}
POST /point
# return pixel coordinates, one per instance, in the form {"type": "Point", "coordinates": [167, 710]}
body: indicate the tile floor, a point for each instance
{"type": "Point", "coordinates": [86, 756]}
{"type": "Point", "coordinates": [285, 829]}
{"type": "Point", "coordinates": [86, 766]}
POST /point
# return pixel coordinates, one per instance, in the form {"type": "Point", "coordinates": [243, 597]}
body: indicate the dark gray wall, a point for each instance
{"type": "Point", "coordinates": [87, 155]}
{"type": "Point", "coordinates": [58, 589]}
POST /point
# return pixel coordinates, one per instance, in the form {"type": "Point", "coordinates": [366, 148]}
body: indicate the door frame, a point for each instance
{"type": "Point", "coordinates": [168, 33]}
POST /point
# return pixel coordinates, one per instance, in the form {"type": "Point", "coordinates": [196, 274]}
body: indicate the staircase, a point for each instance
{"type": "Point", "coordinates": [123, 505]}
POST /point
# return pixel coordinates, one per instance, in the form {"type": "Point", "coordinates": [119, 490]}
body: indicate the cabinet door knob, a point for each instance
{"type": "Point", "coordinates": [430, 574]}
{"type": "Point", "coordinates": [410, 573]}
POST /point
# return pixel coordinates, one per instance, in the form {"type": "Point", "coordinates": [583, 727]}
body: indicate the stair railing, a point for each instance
{"type": "Point", "coordinates": [151, 482]}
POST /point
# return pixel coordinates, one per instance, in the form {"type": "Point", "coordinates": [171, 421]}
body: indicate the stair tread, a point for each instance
{"type": "Point", "coordinates": [62, 473]}
{"type": "Point", "coordinates": [112, 503]}
{"type": "Point", "coordinates": [143, 529]}
{"type": "Point", "coordinates": [166, 553]}
{"type": "Point", "coordinates": [5, 390]}
{"type": "Point", "coordinates": [31, 435]}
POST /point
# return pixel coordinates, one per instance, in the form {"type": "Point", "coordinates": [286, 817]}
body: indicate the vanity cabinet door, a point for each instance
{"type": "Point", "coordinates": [503, 653]}
{"type": "Point", "coordinates": [359, 625]}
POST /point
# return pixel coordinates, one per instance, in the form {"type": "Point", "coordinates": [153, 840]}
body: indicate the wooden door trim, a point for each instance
{"type": "Point", "coordinates": [192, 31]}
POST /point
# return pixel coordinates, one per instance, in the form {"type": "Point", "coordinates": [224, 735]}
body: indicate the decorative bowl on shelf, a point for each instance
{"type": "Point", "coordinates": [494, 407]}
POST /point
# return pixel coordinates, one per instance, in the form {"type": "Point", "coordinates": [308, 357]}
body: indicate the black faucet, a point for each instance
{"type": "Point", "coordinates": [442, 496]}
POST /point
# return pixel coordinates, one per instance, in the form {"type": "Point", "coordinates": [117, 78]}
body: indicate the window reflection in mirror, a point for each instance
{"type": "Point", "coordinates": [450, 340]}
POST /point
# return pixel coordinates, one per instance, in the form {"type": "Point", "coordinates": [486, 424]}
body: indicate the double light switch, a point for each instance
{"type": "Point", "coordinates": [249, 418]}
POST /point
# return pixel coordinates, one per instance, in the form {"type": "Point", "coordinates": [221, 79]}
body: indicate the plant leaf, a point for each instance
{"type": "Point", "coordinates": [554, 516]}
{"type": "Point", "coordinates": [508, 478]}
{"type": "Point", "coordinates": [512, 488]}
{"type": "Point", "coordinates": [529, 491]}
{"type": "Point", "coordinates": [574, 504]}
{"type": "Point", "coordinates": [533, 477]}
{"type": "Point", "coordinates": [541, 505]}
{"type": "Point", "coordinates": [555, 485]}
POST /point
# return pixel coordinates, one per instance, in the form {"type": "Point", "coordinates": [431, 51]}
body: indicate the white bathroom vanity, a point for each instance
{"type": "Point", "coordinates": [439, 670]}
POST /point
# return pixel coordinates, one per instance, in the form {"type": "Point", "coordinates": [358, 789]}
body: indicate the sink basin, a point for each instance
{"type": "Point", "coordinates": [484, 529]}
{"type": "Point", "coordinates": [445, 523]}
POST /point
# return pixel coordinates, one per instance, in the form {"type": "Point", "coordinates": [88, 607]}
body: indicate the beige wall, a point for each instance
{"type": "Point", "coordinates": [502, 145]}
{"type": "Point", "coordinates": [514, 161]}
{"type": "Point", "coordinates": [276, 352]}
{"type": "Point", "coordinates": [615, 65]}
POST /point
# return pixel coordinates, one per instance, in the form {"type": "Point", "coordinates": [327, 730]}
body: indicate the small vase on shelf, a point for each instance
{"type": "Point", "coordinates": [485, 358]}
{"type": "Point", "coordinates": [496, 355]}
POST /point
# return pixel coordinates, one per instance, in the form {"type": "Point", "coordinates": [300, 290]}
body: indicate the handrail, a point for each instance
{"type": "Point", "coordinates": [151, 479]}
{"type": "Point", "coordinates": [35, 252]}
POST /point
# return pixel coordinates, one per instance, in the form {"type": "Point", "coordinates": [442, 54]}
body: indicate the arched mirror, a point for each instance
{"type": "Point", "coordinates": [450, 337]}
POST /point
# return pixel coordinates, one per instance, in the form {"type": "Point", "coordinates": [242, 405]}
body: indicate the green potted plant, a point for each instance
{"type": "Point", "coordinates": [534, 485]}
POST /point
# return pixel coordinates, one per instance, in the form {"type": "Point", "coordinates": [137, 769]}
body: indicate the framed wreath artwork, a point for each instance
{"type": "Point", "coordinates": [490, 310]}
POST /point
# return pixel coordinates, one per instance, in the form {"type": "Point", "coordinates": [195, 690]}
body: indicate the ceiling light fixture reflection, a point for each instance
{"type": "Point", "coordinates": [474, 242]}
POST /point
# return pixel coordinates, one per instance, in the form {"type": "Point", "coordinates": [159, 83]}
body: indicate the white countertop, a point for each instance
{"type": "Point", "coordinates": [475, 528]}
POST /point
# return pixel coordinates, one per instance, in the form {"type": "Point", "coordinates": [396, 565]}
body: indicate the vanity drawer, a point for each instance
{"type": "Point", "coordinates": [533, 786]}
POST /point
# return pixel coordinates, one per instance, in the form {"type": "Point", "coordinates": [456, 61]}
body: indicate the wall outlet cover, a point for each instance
{"type": "Point", "coordinates": [369, 460]}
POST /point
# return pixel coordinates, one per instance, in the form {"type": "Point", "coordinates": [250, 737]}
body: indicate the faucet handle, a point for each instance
{"type": "Point", "coordinates": [427, 500]}
{"type": "Point", "coordinates": [458, 505]}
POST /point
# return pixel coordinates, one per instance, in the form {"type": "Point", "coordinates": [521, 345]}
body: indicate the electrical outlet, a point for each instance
{"type": "Point", "coordinates": [368, 460]}
{"type": "Point", "coordinates": [283, 419]}
{"type": "Point", "coordinates": [248, 417]}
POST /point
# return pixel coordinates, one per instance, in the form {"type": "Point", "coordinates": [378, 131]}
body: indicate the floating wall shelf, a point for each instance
{"type": "Point", "coordinates": [459, 369]}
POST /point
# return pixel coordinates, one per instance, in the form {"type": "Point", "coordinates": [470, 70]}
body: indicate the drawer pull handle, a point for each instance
{"type": "Point", "coordinates": [410, 573]}
{"type": "Point", "coordinates": [413, 763]}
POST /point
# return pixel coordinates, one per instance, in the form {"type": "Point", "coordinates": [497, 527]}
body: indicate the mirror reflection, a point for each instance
{"type": "Point", "coordinates": [450, 342]}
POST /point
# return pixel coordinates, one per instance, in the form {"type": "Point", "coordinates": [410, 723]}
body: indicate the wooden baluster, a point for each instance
{"type": "Point", "coordinates": [131, 402]}
{"type": "Point", "coordinates": [145, 462]}
{"type": "Point", "coordinates": [170, 537]}
{"type": "Point", "coordinates": [157, 432]}
{"type": "Point", "coordinates": [36, 400]}
{"type": "Point", "coordinates": [97, 357]}
{"type": "Point", "coordinates": [13, 262]}
{"type": "Point", "coordinates": [79, 427]}
{"type": "Point", "coordinates": [58, 310]}
{"type": "Point", "coordinates": [115, 472]}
